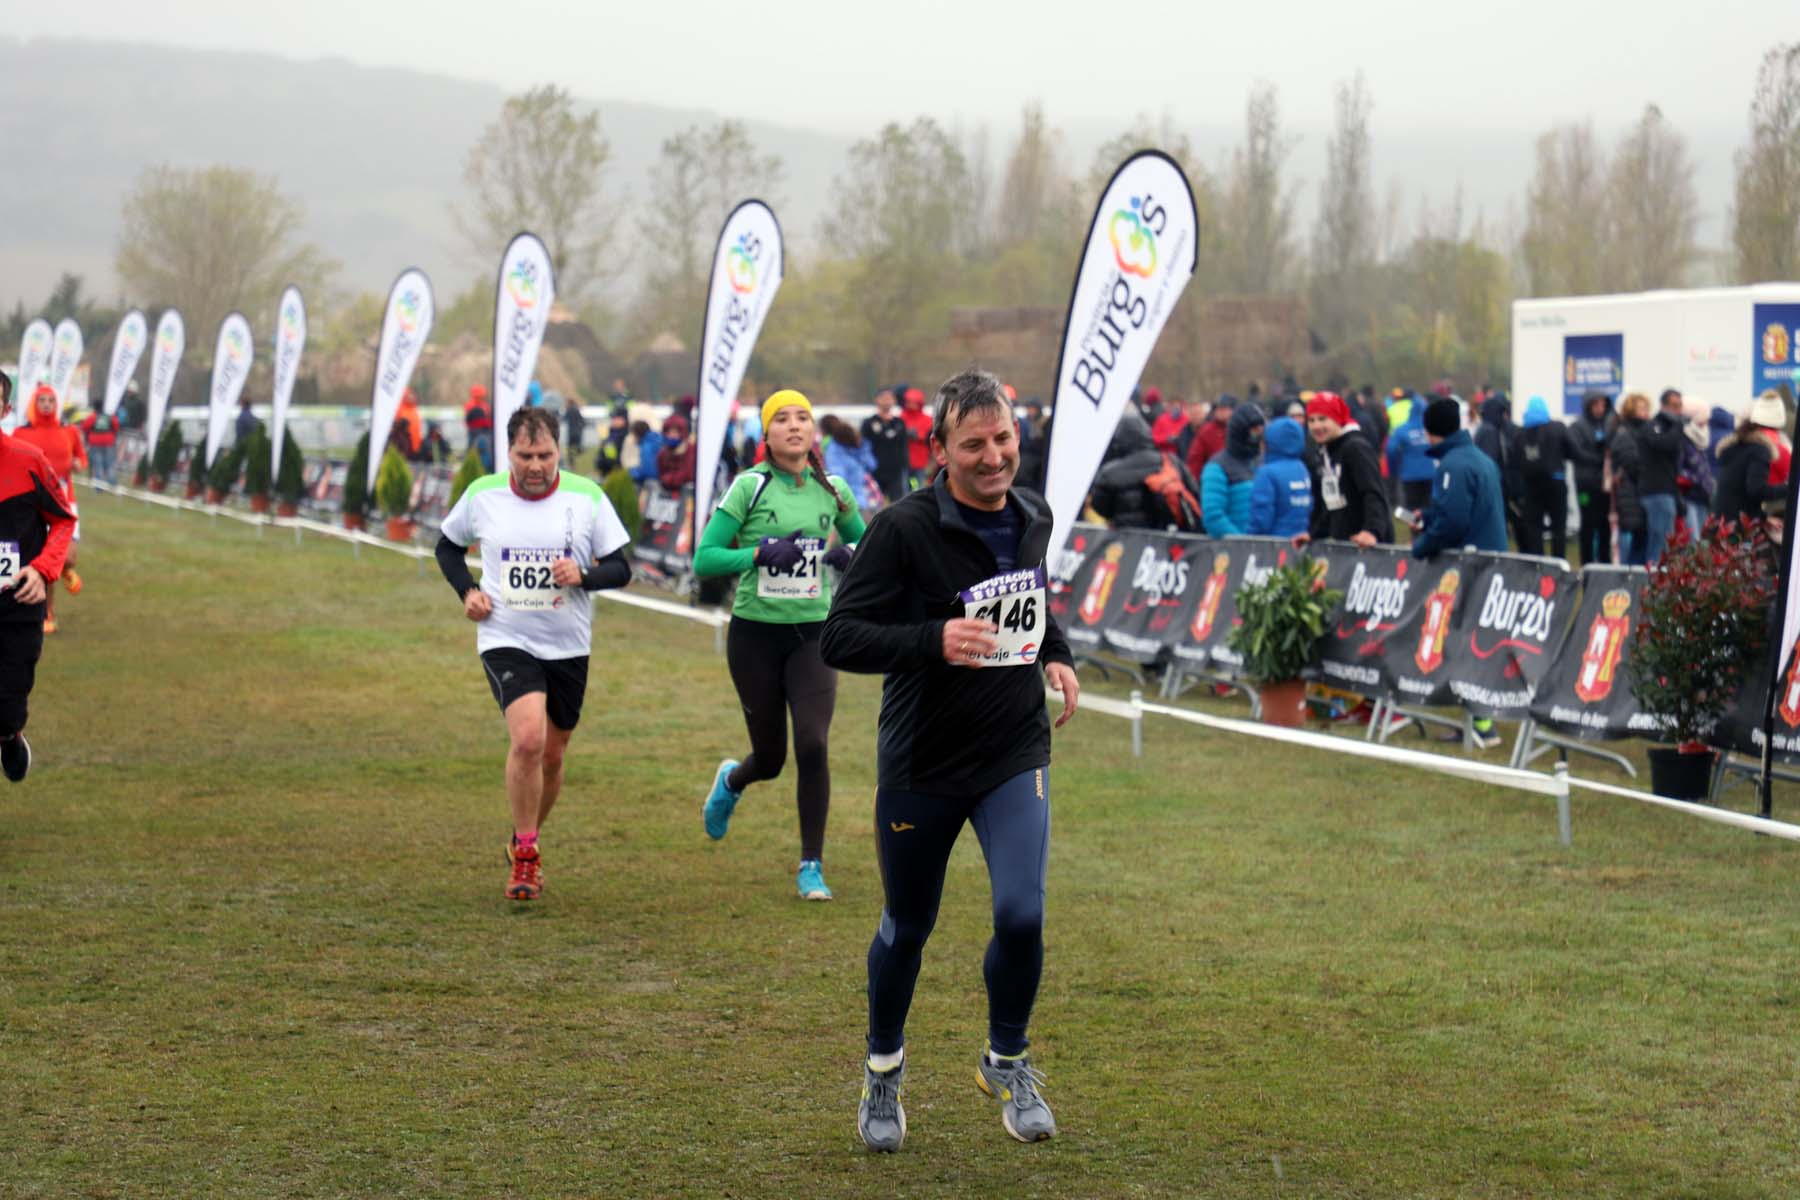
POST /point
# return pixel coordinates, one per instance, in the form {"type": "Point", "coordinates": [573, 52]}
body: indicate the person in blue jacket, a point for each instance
{"type": "Point", "coordinates": [1408, 461]}
{"type": "Point", "coordinates": [1226, 479]}
{"type": "Point", "coordinates": [1467, 506]}
{"type": "Point", "coordinates": [1281, 492]}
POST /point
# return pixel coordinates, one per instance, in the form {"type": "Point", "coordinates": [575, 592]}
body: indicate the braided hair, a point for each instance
{"type": "Point", "coordinates": [817, 463]}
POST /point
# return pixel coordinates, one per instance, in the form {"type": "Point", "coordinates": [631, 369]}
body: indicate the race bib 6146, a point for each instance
{"type": "Point", "coordinates": [1016, 602]}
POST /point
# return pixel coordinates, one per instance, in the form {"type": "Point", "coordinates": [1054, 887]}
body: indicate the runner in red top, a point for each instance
{"type": "Point", "coordinates": [62, 449]}
{"type": "Point", "coordinates": [36, 525]}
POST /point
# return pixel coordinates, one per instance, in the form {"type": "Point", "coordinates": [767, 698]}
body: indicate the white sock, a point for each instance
{"type": "Point", "coordinates": [881, 1064]}
{"type": "Point", "coordinates": [1002, 1059]}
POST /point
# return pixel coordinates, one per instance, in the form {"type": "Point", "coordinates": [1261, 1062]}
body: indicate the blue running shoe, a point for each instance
{"type": "Point", "coordinates": [811, 881]}
{"type": "Point", "coordinates": [716, 812]}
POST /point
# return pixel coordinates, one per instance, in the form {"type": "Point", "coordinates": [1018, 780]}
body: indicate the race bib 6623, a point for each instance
{"type": "Point", "coordinates": [525, 578]}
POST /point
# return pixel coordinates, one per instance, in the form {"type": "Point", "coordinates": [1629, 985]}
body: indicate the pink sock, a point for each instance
{"type": "Point", "coordinates": [526, 841]}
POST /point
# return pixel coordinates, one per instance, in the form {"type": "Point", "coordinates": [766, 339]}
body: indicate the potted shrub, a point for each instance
{"type": "Point", "coordinates": [622, 491]}
{"type": "Point", "coordinates": [290, 478]}
{"type": "Point", "coordinates": [225, 471]}
{"type": "Point", "coordinates": [1281, 622]}
{"type": "Point", "coordinates": [466, 473]}
{"type": "Point", "coordinates": [196, 481]}
{"type": "Point", "coordinates": [393, 491]}
{"type": "Point", "coordinates": [163, 459]}
{"type": "Point", "coordinates": [1703, 626]}
{"type": "Point", "coordinates": [256, 468]}
{"type": "Point", "coordinates": [356, 486]}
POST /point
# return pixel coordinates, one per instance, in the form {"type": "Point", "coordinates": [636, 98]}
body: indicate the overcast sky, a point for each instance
{"type": "Point", "coordinates": [1432, 65]}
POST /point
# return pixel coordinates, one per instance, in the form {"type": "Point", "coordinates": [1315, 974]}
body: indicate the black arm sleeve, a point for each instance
{"type": "Point", "coordinates": [452, 562]}
{"type": "Point", "coordinates": [613, 571]}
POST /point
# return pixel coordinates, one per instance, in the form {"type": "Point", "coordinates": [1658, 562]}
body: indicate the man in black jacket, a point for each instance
{"type": "Point", "coordinates": [1659, 464]}
{"type": "Point", "coordinates": [1349, 499]}
{"type": "Point", "coordinates": [885, 433]}
{"type": "Point", "coordinates": [946, 582]}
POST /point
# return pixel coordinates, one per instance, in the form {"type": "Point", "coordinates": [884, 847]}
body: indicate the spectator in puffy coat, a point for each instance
{"type": "Point", "coordinates": [1720, 424]}
{"type": "Point", "coordinates": [1543, 446]}
{"type": "Point", "coordinates": [1467, 507]}
{"type": "Point", "coordinates": [850, 458]}
{"type": "Point", "coordinates": [1626, 459]}
{"type": "Point", "coordinates": [1171, 420]}
{"type": "Point", "coordinates": [1407, 458]}
{"type": "Point", "coordinates": [1281, 493]}
{"type": "Point", "coordinates": [1119, 493]}
{"type": "Point", "coordinates": [641, 450]}
{"type": "Point", "coordinates": [1744, 485]}
{"type": "Point", "coordinates": [1694, 477]}
{"type": "Point", "coordinates": [1225, 483]}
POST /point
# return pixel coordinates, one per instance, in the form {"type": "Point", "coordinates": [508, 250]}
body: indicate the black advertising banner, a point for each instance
{"type": "Point", "coordinates": [1208, 627]}
{"type": "Point", "coordinates": [663, 541]}
{"type": "Point", "coordinates": [1584, 691]}
{"type": "Point", "coordinates": [1381, 596]}
{"type": "Point", "coordinates": [1092, 587]}
{"type": "Point", "coordinates": [1508, 630]}
{"type": "Point", "coordinates": [1160, 567]}
{"type": "Point", "coordinates": [1741, 728]}
{"type": "Point", "coordinates": [1417, 656]}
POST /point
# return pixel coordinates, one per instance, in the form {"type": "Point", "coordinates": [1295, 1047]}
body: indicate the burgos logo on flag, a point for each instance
{"type": "Point", "coordinates": [407, 310]}
{"type": "Point", "coordinates": [165, 341]}
{"type": "Point", "coordinates": [1134, 246]}
{"type": "Point", "coordinates": [290, 321]}
{"type": "Point", "coordinates": [521, 284]}
{"type": "Point", "coordinates": [740, 267]}
{"type": "Point", "coordinates": [234, 344]}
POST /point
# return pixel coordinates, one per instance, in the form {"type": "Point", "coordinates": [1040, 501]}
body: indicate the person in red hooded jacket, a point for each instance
{"type": "Point", "coordinates": [35, 528]}
{"type": "Point", "coordinates": [62, 448]}
{"type": "Point", "coordinates": [918, 434]}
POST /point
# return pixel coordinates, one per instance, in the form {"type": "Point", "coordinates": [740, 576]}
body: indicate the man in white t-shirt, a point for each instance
{"type": "Point", "coordinates": [536, 526]}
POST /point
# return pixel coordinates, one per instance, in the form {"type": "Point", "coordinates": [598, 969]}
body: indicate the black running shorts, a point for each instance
{"type": "Point", "coordinates": [514, 673]}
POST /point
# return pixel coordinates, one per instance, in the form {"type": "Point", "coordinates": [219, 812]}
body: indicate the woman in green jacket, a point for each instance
{"type": "Point", "coordinates": [770, 530]}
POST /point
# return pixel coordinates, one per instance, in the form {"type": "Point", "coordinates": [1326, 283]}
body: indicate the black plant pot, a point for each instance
{"type": "Point", "coordinates": [1681, 776]}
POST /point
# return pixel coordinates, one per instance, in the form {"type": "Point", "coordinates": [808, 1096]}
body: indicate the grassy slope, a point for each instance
{"type": "Point", "coordinates": [252, 941]}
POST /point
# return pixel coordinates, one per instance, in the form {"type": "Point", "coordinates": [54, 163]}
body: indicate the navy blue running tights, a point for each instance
{"type": "Point", "coordinates": [914, 834]}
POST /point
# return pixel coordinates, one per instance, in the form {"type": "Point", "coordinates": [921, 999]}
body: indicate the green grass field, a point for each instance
{"type": "Point", "coordinates": [253, 942]}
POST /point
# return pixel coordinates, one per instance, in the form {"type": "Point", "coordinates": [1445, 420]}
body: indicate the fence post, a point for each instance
{"type": "Point", "coordinates": [1137, 723]}
{"type": "Point", "coordinates": [1562, 804]}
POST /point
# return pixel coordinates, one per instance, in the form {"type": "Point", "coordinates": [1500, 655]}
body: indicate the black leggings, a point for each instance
{"type": "Point", "coordinates": [21, 642]}
{"type": "Point", "coordinates": [776, 670]}
{"type": "Point", "coordinates": [914, 833]}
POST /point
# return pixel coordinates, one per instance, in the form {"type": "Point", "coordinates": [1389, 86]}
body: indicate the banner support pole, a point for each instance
{"type": "Point", "coordinates": [1137, 723]}
{"type": "Point", "coordinates": [1563, 832]}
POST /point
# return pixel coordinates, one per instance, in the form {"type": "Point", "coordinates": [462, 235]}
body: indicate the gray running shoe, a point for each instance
{"type": "Point", "coordinates": [1015, 1084]}
{"type": "Point", "coordinates": [879, 1118]}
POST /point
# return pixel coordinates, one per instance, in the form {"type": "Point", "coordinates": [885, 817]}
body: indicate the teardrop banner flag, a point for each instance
{"type": "Point", "coordinates": [127, 348]}
{"type": "Point", "coordinates": [290, 343]}
{"type": "Point", "coordinates": [522, 301]}
{"type": "Point", "coordinates": [165, 360]}
{"type": "Point", "coordinates": [65, 356]}
{"type": "Point", "coordinates": [746, 274]}
{"type": "Point", "coordinates": [34, 360]}
{"type": "Point", "coordinates": [232, 356]}
{"type": "Point", "coordinates": [403, 333]}
{"type": "Point", "coordinates": [1141, 251]}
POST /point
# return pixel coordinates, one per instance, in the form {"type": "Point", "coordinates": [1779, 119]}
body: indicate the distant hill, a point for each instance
{"type": "Point", "coordinates": [375, 155]}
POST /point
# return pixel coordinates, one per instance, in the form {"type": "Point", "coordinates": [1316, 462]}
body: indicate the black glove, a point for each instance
{"type": "Point", "coordinates": [838, 558]}
{"type": "Point", "coordinates": [780, 554]}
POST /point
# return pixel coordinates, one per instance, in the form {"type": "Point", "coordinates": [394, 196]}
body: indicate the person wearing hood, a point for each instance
{"type": "Point", "coordinates": [1407, 459]}
{"type": "Point", "coordinates": [478, 422]}
{"type": "Point", "coordinates": [1590, 439]}
{"type": "Point", "coordinates": [1496, 437]}
{"type": "Point", "coordinates": [574, 424]}
{"type": "Point", "coordinates": [1721, 423]}
{"type": "Point", "coordinates": [407, 424]}
{"type": "Point", "coordinates": [641, 449]}
{"type": "Point", "coordinates": [1226, 482]}
{"type": "Point", "coordinates": [534, 394]}
{"type": "Point", "coordinates": [610, 455]}
{"type": "Point", "coordinates": [1171, 420]}
{"type": "Point", "coordinates": [1543, 448]}
{"type": "Point", "coordinates": [1349, 499]}
{"type": "Point", "coordinates": [1281, 491]}
{"type": "Point", "coordinates": [675, 461]}
{"type": "Point", "coordinates": [1694, 476]}
{"type": "Point", "coordinates": [61, 447]}
{"type": "Point", "coordinates": [1119, 493]}
{"type": "Point", "coordinates": [1746, 460]}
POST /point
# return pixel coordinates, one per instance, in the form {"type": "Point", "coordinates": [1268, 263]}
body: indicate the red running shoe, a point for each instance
{"type": "Point", "coordinates": [527, 881]}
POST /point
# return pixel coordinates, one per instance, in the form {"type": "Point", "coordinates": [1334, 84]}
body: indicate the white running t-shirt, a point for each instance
{"type": "Point", "coordinates": [520, 538]}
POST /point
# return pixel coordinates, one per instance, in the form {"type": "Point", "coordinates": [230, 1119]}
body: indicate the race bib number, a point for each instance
{"type": "Point", "coordinates": [1016, 602]}
{"type": "Point", "coordinates": [526, 583]}
{"type": "Point", "coordinates": [1329, 490]}
{"type": "Point", "coordinates": [801, 582]}
{"type": "Point", "coordinates": [10, 564]}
